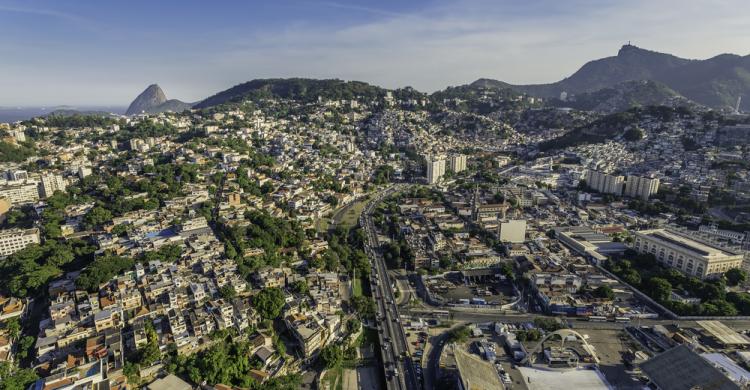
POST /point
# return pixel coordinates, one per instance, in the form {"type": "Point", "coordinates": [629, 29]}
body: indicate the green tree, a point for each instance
{"type": "Point", "coordinates": [459, 334]}
{"type": "Point", "coordinates": [300, 287]}
{"type": "Point", "coordinates": [365, 306]}
{"type": "Point", "coordinates": [102, 270]}
{"type": "Point", "coordinates": [25, 347]}
{"type": "Point", "coordinates": [659, 289]}
{"type": "Point", "coordinates": [13, 326]}
{"type": "Point", "coordinates": [97, 217]}
{"type": "Point", "coordinates": [150, 352]}
{"type": "Point", "coordinates": [735, 276]}
{"type": "Point", "coordinates": [227, 292]}
{"type": "Point", "coordinates": [604, 292]}
{"type": "Point", "coordinates": [353, 325]}
{"type": "Point", "coordinates": [269, 302]}
{"type": "Point", "coordinates": [332, 356]}
{"type": "Point", "coordinates": [14, 378]}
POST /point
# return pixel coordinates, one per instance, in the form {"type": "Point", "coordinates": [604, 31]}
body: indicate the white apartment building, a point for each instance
{"type": "Point", "coordinates": [641, 187]}
{"type": "Point", "coordinates": [691, 257]}
{"type": "Point", "coordinates": [435, 169]}
{"type": "Point", "coordinates": [13, 240]}
{"type": "Point", "coordinates": [18, 134]}
{"type": "Point", "coordinates": [457, 163]}
{"type": "Point", "coordinates": [20, 193]}
{"type": "Point", "coordinates": [604, 183]}
{"type": "Point", "coordinates": [50, 183]}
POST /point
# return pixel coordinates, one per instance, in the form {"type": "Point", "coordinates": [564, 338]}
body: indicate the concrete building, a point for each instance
{"type": "Point", "coordinates": [604, 183]}
{"type": "Point", "coordinates": [50, 183]}
{"type": "Point", "coordinates": [641, 187]}
{"type": "Point", "coordinates": [435, 169]}
{"type": "Point", "coordinates": [21, 193]}
{"type": "Point", "coordinates": [83, 172]}
{"type": "Point", "coordinates": [234, 199]}
{"type": "Point", "coordinates": [513, 231]}
{"type": "Point", "coordinates": [18, 134]}
{"type": "Point", "coordinates": [692, 257]}
{"type": "Point", "coordinates": [457, 163]}
{"type": "Point", "coordinates": [17, 175]}
{"type": "Point", "coordinates": [13, 240]}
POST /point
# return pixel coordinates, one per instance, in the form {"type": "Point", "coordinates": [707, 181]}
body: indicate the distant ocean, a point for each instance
{"type": "Point", "coordinates": [13, 114]}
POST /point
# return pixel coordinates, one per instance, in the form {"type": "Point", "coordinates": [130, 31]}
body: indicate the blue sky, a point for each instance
{"type": "Point", "coordinates": [106, 52]}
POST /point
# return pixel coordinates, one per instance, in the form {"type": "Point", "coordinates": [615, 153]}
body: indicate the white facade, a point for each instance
{"type": "Point", "coordinates": [435, 170]}
{"type": "Point", "coordinates": [50, 183]}
{"type": "Point", "coordinates": [604, 183]}
{"type": "Point", "coordinates": [21, 193]}
{"type": "Point", "coordinates": [13, 240]}
{"type": "Point", "coordinates": [457, 163]}
{"type": "Point", "coordinates": [691, 257]}
{"type": "Point", "coordinates": [641, 187]}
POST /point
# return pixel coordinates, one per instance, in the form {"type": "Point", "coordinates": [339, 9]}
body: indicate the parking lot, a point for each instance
{"type": "Point", "coordinates": [416, 340]}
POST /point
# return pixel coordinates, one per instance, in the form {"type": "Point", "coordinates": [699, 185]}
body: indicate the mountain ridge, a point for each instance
{"type": "Point", "coordinates": [715, 82]}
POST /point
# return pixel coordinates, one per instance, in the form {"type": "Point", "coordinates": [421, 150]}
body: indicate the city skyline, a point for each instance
{"type": "Point", "coordinates": [106, 54]}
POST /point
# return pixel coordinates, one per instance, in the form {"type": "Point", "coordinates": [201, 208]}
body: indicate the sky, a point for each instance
{"type": "Point", "coordinates": [90, 52]}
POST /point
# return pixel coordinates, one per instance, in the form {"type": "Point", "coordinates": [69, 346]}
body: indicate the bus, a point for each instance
{"type": "Point", "coordinates": [597, 318]}
{"type": "Point", "coordinates": [441, 313]}
{"type": "Point", "coordinates": [623, 320]}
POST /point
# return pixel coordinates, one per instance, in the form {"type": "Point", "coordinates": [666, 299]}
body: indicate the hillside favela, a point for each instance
{"type": "Point", "coordinates": [374, 195]}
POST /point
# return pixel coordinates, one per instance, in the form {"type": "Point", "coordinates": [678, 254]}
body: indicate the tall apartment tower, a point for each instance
{"type": "Point", "coordinates": [604, 183]}
{"type": "Point", "coordinates": [435, 169]}
{"type": "Point", "coordinates": [50, 183]}
{"type": "Point", "coordinates": [641, 187]}
{"type": "Point", "coordinates": [457, 163]}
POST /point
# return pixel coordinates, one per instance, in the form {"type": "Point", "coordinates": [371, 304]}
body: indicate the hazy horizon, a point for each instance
{"type": "Point", "coordinates": [105, 54]}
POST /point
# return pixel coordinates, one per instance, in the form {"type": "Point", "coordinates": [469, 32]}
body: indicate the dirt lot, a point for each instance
{"type": "Point", "coordinates": [609, 345]}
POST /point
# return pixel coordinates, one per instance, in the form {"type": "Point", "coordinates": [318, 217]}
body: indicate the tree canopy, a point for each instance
{"type": "Point", "coordinates": [269, 302]}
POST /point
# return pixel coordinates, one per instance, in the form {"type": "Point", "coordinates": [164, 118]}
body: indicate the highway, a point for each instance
{"type": "Point", "coordinates": [398, 366]}
{"type": "Point", "coordinates": [478, 317]}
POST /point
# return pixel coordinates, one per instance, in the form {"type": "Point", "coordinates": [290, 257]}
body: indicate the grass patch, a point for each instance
{"type": "Point", "coordinates": [321, 224]}
{"type": "Point", "coordinates": [334, 378]}
{"type": "Point", "coordinates": [357, 287]}
{"type": "Point", "coordinates": [349, 216]}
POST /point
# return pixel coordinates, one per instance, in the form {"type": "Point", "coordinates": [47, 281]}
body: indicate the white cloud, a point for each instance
{"type": "Point", "coordinates": [447, 44]}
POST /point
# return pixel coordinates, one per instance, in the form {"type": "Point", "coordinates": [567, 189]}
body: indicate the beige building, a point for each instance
{"type": "Point", "coordinates": [641, 187]}
{"type": "Point", "coordinates": [234, 199]}
{"type": "Point", "coordinates": [435, 169]}
{"type": "Point", "coordinates": [691, 257]}
{"type": "Point", "coordinates": [604, 183]}
{"type": "Point", "coordinates": [50, 183]}
{"type": "Point", "coordinates": [20, 193]}
{"type": "Point", "coordinates": [13, 240]}
{"type": "Point", "coordinates": [457, 163]}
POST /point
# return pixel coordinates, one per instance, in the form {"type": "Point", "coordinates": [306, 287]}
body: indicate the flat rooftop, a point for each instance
{"type": "Point", "coordinates": [697, 247]}
{"type": "Point", "coordinates": [563, 379]}
{"type": "Point", "coordinates": [723, 333]}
